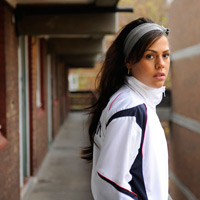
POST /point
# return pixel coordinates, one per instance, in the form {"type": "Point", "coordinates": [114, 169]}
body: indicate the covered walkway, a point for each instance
{"type": "Point", "coordinates": [63, 175]}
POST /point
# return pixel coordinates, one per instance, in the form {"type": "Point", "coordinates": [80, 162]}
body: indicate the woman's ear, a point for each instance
{"type": "Point", "coordinates": [129, 67]}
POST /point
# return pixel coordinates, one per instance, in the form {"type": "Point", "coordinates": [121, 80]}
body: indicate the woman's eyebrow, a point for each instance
{"type": "Point", "coordinates": [156, 51]}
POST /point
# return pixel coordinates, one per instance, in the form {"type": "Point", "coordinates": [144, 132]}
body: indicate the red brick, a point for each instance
{"type": "Point", "coordinates": [184, 153]}
{"type": "Point", "coordinates": [9, 163]}
{"type": "Point", "coordinates": [9, 115]}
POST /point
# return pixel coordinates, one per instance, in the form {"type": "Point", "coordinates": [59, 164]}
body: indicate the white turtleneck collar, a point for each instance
{"type": "Point", "coordinates": [153, 96]}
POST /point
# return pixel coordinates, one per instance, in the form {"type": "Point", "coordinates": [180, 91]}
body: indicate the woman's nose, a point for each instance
{"type": "Point", "coordinates": [160, 62]}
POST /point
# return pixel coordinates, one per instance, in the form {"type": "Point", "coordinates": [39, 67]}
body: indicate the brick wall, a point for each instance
{"type": "Point", "coordinates": [39, 114]}
{"type": "Point", "coordinates": [2, 69]}
{"type": "Point", "coordinates": [185, 160]}
{"type": "Point", "coordinates": [186, 81]}
{"type": "Point", "coordinates": [9, 104]}
{"type": "Point", "coordinates": [60, 94]}
{"type": "Point", "coordinates": [9, 155]}
{"type": "Point", "coordinates": [184, 143]}
{"type": "Point", "coordinates": [184, 23]}
{"type": "Point", "coordinates": [63, 91]}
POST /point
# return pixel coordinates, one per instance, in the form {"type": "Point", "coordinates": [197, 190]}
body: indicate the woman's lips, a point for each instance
{"type": "Point", "coordinates": [159, 76]}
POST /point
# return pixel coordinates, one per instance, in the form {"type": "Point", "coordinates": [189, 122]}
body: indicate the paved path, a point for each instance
{"type": "Point", "coordinates": [63, 175]}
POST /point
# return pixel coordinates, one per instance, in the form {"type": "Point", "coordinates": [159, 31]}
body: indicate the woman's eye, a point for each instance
{"type": "Point", "coordinates": [149, 56]}
{"type": "Point", "coordinates": [166, 55]}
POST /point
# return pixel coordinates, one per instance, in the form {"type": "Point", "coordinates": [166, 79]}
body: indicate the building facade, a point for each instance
{"type": "Point", "coordinates": [185, 125]}
{"type": "Point", "coordinates": [38, 45]}
{"type": "Point", "coordinates": [34, 103]}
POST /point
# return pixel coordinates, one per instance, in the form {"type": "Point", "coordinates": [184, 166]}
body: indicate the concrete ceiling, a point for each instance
{"type": "Point", "coordinates": [92, 24]}
{"type": "Point", "coordinates": [80, 60]}
{"type": "Point", "coordinates": [96, 2]}
{"type": "Point", "coordinates": [75, 28]}
{"type": "Point", "coordinates": [14, 3]}
{"type": "Point", "coordinates": [76, 46]}
{"type": "Point", "coordinates": [53, 1]}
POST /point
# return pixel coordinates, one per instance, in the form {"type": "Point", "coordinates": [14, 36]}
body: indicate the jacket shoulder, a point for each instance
{"type": "Point", "coordinates": [123, 99]}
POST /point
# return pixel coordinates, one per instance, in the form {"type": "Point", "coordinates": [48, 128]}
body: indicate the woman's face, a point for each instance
{"type": "Point", "coordinates": [152, 69]}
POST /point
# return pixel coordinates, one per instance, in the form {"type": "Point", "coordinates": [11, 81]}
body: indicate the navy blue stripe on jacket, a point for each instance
{"type": "Point", "coordinates": [137, 182]}
{"type": "Point", "coordinates": [119, 188]}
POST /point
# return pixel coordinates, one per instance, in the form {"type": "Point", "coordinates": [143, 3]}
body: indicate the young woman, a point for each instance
{"type": "Point", "coordinates": [128, 145]}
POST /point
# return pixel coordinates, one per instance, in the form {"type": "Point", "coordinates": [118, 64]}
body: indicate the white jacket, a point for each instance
{"type": "Point", "coordinates": [130, 158]}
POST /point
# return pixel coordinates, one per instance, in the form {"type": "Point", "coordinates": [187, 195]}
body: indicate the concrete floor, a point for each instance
{"type": "Point", "coordinates": [63, 175]}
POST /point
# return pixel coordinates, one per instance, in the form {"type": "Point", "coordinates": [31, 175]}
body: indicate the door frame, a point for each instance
{"type": "Point", "coordinates": [24, 124]}
{"type": "Point", "coordinates": [49, 94]}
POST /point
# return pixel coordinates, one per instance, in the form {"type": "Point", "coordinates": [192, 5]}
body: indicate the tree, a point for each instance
{"type": "Point", "coordinates": [153, 9]}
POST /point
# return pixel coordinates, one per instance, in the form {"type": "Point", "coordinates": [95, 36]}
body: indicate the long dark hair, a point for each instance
{"type": "Point", "coordinates": [113, 74]}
